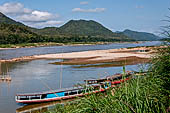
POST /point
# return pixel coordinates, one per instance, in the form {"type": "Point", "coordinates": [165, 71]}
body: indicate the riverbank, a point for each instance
{"type": "Point", "coordinates": [96, 56]}
{"type": "Point", "coordinates": [30, 45]}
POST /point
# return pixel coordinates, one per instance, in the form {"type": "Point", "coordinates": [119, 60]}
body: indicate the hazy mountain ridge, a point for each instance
{"type": "Point", "coordinates": [140, 36]}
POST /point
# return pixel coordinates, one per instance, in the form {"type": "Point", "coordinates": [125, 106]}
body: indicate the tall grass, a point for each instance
{"type": "Point", "coordinates": [136, 96]}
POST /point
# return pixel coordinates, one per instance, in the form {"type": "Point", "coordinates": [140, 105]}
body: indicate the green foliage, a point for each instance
{"type": "Point", "coordinates": [16, 34]}
{"type": "Point", "coordinates": [136, 96]}
{"type": "Point", "coordinates": [161, 69]}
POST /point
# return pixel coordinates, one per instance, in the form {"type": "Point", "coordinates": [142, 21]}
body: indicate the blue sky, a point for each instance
{"type": "Point", "coordinates": [117, 15]}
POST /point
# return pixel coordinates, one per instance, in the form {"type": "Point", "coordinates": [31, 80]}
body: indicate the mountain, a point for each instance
{"type": "Point", "coordinates": [82, 28]}
{"type": "Point", "coordinates": [7, 20]}
{"type": "Point", "coordinates": [16, 34]}
{"type": "Point", "coordinates": [13, 32]}
{"type": "Point", "coordinates": [77, 27]}
{"type": "Point", "coordinates": [140, 36]}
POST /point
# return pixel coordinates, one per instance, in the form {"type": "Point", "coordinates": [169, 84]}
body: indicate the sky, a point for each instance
{"type": "Point", "coordinates": [117, 15]}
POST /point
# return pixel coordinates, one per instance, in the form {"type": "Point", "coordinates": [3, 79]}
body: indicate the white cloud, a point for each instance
{"type": "Point", "coordinates": [29, 16]}
{"type": "Point", "coordinates": [14, 9]}
{"type": "Point", "coordinates": [96, 10]}
{"type": "Point", "coordinates": [84, 3]}
{"type": "Point", "coordinates": [37, 16]}
{"type": "Point", "coordinates": [50, 23]}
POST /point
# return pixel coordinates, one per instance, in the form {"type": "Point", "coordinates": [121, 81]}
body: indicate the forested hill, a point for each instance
{"type": "Point", "coordinates": [82, 28]}
{"type": "Point", "coordinates": [16, 34]}
{"type": "Point", "coordinates": [140, 36]}
{"type": "Point", "coordinates": [13, 32]}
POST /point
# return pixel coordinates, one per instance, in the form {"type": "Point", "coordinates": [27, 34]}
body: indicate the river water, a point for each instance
{"type": "Point", "coordinates": [31, 76]}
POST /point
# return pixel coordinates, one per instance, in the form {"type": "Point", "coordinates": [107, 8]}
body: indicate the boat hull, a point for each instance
{"type": "Point", "coordinates": [57, 98]}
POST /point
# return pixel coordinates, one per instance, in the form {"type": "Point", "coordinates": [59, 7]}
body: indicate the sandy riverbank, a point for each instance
{"type": "Point", "coordinates": [6, 48]}
{"type": "Point", "coordinates": [91, 56]}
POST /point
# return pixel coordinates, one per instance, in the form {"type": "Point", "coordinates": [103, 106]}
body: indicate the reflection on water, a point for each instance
{"type": "Point", "coordinates": [40, 108]}
{"type": "Point", "coordinates": [4, 73]}
{"type": "Point", "coordinates": [30, 76]}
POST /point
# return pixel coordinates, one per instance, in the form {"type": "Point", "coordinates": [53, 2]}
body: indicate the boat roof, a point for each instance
{"type": "Point", "coordinates": [112, 77]}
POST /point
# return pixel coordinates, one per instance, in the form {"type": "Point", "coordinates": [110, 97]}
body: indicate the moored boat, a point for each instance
{"type": "Point", "coordinates": [117, 78]}
{"type": "Point", "coordinates": [61, 94]}
{"type": "Point", "coordinates": [92, 86]}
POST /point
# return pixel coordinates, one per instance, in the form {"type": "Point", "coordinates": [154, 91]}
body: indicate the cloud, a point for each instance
{"type": "Point", "coordinates": [49, 23]}
{"type": "Point", "coordinates": [29, 16]}
{"type": "Point", "coordinates": [96, 10]}
{"type": "Point", "coordinates": [37, 16]}
{"type": "Point", "coordinates": [84, 3]}
{"type": "Point", "coordinates": [14, 9]}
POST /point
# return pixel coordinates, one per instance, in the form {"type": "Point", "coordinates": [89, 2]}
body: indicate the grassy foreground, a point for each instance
{"type": "Point", "coordinates": [143, 94]}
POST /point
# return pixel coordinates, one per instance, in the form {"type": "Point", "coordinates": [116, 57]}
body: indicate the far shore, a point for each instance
{"type": "Point", "coordinates": [93, 56]}
{"type": "Point", "coordinates": [31, 45]}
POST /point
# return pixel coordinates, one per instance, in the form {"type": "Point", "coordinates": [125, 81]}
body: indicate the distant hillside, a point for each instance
{"type": "Point", "coordinates": [13, 32]}
{"type": "Point", "coordinates": [50, 31]}
{"type": "Point", "coordinates": [82, 28]}
{"type": "Point", "coordinates": [7, 20]}
{"type": "Point", "coordinates": [140, 36]}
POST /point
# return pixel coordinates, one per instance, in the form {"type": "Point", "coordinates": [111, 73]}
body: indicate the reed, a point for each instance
{"type": "Point", "coordinates": [136, 96]}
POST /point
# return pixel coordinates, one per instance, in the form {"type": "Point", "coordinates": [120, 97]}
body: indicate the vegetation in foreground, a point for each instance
{"type": "Point", "coordinates": [143, 94]}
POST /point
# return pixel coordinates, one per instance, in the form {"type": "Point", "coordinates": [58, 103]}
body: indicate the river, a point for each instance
{"type": "Point", "coordinates": [30, 76]}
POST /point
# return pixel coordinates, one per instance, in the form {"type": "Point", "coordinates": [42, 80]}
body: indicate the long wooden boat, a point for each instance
{"type": "Point", "coordinates": [116, 77]}
{"type": "Point", "coordinates": [61, 94]}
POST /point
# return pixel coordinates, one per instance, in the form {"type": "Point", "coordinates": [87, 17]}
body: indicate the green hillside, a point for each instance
{"type": "Point", "coordinates": [82, 28]}
{"type": "Point", "coordinates": [15, 34]}
{"type": "Point", "coordinates": [50, 31]}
